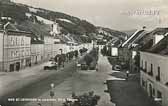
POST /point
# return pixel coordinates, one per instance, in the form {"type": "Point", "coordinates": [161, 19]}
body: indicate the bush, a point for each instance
{"type": "Point", "coordinates": [87, 99]}
{"type": "Point", "coordinates": [88, 59]}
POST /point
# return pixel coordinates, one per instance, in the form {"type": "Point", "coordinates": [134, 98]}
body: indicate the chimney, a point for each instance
{"type": "Point", "coordinates": [144, 27]}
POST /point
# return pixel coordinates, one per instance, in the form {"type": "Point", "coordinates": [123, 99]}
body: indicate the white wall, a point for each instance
{"type": "Point", "coordinates": [1, 46]}
{"type": "Point", "coordinates": [156, 60]}
{"type": "Point", "coordinates": [158, 38]}
{"type": "Point", "coordinates": [114, 51]}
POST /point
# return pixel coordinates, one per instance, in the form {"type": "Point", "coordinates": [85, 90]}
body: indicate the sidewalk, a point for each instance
{"type": "Point", "coordinates": [8, 77]}
{"type": "Point", "coordinates": [127, 92]}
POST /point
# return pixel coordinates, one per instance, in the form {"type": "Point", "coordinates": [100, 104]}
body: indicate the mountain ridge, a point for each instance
{"type": "Point", "coordinates": [80, 30]}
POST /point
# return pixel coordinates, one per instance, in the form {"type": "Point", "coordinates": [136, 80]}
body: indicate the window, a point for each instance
{"type": "Point", "coordinates": [151, 67]}
{"type": "Point", "coordinates": [153, 92]}
{"type": "Point", "coordinates": [145, 65]}
{"type": "Point", "coordinates": [158, 71]}
{"type": "Point", "coordinates": [22, 41]}
{"type": "Point", "coordinates": [158, 76]}
{"type": "Point", "coordinates": [16, 41]}
{"type": "Point", "coordinates": [12, 54]}
{"type": "Point", "coordinates": [11, 41]}
{"type": "Point", "coordinates": [151, 70]}
{"type": "Point", "coordinates": [142, 63]}
{"type": "Point", "coordinates": [17, 53]}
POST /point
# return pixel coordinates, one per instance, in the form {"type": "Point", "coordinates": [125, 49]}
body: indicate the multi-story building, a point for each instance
{"type": "Point", "coordinates": [37, 52]}
{"type": "Point", "coordinates": [15, 50]}
{"type": "Point", "coordinates": [126, 51]}
{"type": "Point", "coordinates": [153, 71]}
{"type": "Point", "coordinates": [48, 47]}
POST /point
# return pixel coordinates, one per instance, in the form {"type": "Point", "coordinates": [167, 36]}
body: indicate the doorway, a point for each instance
{"type": "Point", "coordinates": [12, 68]}
{"type": "Point", "coordinates": [17, 66]}
{"type": "Point", "coordinates": [150, 90]}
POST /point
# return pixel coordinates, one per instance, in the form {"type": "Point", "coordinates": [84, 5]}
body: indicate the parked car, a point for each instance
{"type": "Point", "coordinates": [116, 67]}
{"type": "Point", "coordinates": [51, 66]}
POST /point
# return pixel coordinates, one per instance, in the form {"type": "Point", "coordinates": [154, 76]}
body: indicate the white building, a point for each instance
{"type": "Point", "coordinates": [154, 74]}
{"type": "Point", "coordinates": [15, 50]}
{"type": "Point", "coordinates": [48, 47]}
{"type": "Point", "coordinates": [37, 53]}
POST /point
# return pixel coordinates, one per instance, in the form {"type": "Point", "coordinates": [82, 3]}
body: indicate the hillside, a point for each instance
{"type": "Point", "coordinates": [38, 21]}
{"type": "Point", "coordinates": [110, 33]}
{"type": "Point", "coordinates": [130, 32]}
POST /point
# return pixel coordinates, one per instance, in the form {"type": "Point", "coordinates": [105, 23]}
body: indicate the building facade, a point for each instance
{"type": "Point", "coordinates": [15, 50]}
{"type": "Point", "coordinates": [48, 47]}
{"type": "Point", "coordinates": [154, 76]}
{"type": "Point", "coordinates": [37, 53]}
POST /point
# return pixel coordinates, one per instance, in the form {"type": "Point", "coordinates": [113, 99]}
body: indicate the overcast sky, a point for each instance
{"type": "Point", "coordinates": [115, 14]}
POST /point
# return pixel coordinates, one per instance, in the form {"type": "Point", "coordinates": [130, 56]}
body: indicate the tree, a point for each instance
{"type": "Point", "coordinates": [88, 59]}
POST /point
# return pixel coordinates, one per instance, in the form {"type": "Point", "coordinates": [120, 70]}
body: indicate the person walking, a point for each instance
{"type": "Point", "coordinates": [127, 74]}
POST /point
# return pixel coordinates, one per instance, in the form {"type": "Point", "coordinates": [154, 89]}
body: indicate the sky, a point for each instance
{"type": "Point", "coordinates": [114, 14]}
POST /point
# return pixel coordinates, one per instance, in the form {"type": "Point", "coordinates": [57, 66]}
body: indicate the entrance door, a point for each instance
{"type": "Point", "coordinates": [150, 91]}
{"type": "Point", "coordinates": [36, 60]}
{"type": "Point", "coordinates": [17, 66]}
{"type": "Point", "coordinates": [11, 67]}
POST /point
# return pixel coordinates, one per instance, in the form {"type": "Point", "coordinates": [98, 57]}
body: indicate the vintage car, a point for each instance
{"type": "Point", "coordinates": [51, 65]}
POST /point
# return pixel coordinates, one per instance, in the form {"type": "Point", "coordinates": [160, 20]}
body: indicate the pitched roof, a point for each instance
{"type": "Point", "coordinates": [146, 42]}
{"type": "Point", "coordinates": [161, 47]}
{"type": "Point", "coordinates": [132, 38]}
{"type": "Point", "coordinates": [12, 29]}
{"type": "Point", "coordinates": [137, 40]}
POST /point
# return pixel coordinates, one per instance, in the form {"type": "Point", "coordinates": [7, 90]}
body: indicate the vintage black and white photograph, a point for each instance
{"type": "Point", "coordinates": [83, 53]}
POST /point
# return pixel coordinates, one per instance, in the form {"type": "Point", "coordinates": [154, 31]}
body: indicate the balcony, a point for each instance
{"type": "Point", "coordinates": [157, 78]}
{"type": "Point", "coordinates": [150, 73]}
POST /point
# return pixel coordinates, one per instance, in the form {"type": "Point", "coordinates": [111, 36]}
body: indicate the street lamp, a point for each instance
{"type": "Point", "coordinates": [52, 92]}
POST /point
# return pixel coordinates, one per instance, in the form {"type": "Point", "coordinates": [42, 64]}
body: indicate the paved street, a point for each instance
{"type": "Point", "coordinates": [128, 93]}
{"type": "Point", "coordinates": [81, 82]}
{"type": "Point", "coordinates": [34, 84]}
{"type": "Point", "coordinates": [67, 81]}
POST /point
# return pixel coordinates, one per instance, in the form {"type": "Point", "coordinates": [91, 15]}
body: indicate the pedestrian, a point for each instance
{"type": "Point", "coordinates": [127, 74]}
{"type": "Point", "coordinates": [96, 67]}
